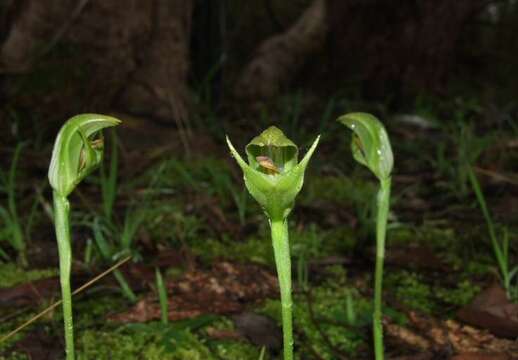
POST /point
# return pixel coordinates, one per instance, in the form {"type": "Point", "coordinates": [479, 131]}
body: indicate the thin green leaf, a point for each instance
{"type": "Point", "coordinates": [104, 246]}
{"type": "Point", "coordinates": [162, 296]}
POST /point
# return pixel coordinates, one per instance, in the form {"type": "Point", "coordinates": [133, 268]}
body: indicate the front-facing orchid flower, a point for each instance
{"type": "Point", "coordinates": [274, 177]}
{"type": "Point", "coordinates": [273, 174]}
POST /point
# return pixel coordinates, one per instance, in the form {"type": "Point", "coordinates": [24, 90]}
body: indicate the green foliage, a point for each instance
{"type": "Point", "coordinates": [221, 185]}
{"type": "Point", "coordinates": [115, 238]}
{"type": "Point", "coordinates": [178, 340]}
{"type": "Point", "coordinates": [12, 227]}
{"type": "Point", "coordinates": [109, 179]}
{"type": "Point", "coordinates": [462, 295]}
{"type": "Point", "coordinates": [458, 154]}
{"type": "Point", "coordinates": [108, 252]}
{"type": "Point", "coordinates": [96, 344]}
{"type": "Point", "coordinates": [205, 175]}
{"type": "Point", "coordinates": [181, 340]}
{"type": "Point", "coordinates": [162, 297]}
{"type": "Point", "coordinates": [330, 318]}
{"type": "Point", "coordinates": [15, 356]}
{"type": "Point", "coordinates": [469, 149]}
{"type": "Point", "coordinates": [305, 247]}
{"type": "Point", "coordinates": [91, 311]}
{"type": "Point", "coordinates": [251, 249]}
{"type": "Point", "coordinates": [309, 242]}
{"type": "Point", "coordinates": [345, 192]}
{"type": "Point", "coordinates": [500, 247]}
{"type": "Point", "coordinates": [412, 290]}
{"type": "Point", "coordinates": [132, 221]}
{"type": "Point", "coordinates": [11, 275]}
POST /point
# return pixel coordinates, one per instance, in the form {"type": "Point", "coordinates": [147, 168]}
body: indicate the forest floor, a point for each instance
{"type": "Point", "coordinates": [183, 209]}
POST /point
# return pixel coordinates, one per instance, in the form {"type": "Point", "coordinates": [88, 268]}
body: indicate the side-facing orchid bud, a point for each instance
{"type": "Point", "coordinates": [78, 150]}
{"type": "Point", "coordinates": [370, 145]}
{"type": "Point", "coordinates": [273, 174]}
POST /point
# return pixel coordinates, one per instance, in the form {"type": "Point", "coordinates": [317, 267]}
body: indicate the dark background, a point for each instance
{"type": "Point", "coordinates": [169, 61]}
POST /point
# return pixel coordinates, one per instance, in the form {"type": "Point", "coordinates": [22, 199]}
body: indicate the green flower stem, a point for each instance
{"type": "Point", "coordinates": [281, 248]}
{"type": "Point", "coordinates": [274, 177]}
{"type": "Point", "coordinates": [61, 219]}
{"type": "Point", "coordinates": [383, 203]}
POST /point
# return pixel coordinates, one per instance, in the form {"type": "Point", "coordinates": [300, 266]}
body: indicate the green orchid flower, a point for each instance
{"type": "Point", "coordinates": [371, 147]}
{"type": "Point", "coordinates": [274, 177]}
{"type": "Point", "coordinates": [78, 150]}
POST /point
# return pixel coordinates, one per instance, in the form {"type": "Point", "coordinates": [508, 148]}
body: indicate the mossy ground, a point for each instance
{"type": "Point", "coordinates": [11, 275]}
{"type": "Point", "coordinates": [328, 322]}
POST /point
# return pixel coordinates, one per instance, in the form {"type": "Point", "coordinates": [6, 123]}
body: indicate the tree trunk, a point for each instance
{"type": "Point", "coordinates": [279, 58]}
{"type": "Point", "coordinates": [134, 51]}
{"type": "Point", "coordinates": [409, 47]}
{"type": "Point", "coordinates": [387, 48]}
{"type": "Point", "coordinates": [159, 86]}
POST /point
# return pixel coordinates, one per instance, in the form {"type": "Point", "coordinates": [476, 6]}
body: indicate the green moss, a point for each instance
{"type": "Point", "coordinates": [459, 296]}
{"type": "Point", "coordinates": [435, 237]}
{"type": "Point", "coordinates": [329, 307]}
{"type": "Point", "coordinates": [6, 345]}
{"type": "Point", "coordinates": [410, 290]}
{"type": "Point", "coordinates": [339, 189]}
{"type": "Point", "coordinates": [7, 326]}
{"type": "Point", "coordinates": [233, 350]}
{"type": "Point", "coordinates": [311, 242]}
{"type": "Point", "coordinates": [349, 192]}
{"type": "Point", "coordinates": [400, 236]}
{"type": "Point", "coordinates": [154, 341]}
{"type": "Point", "coordinates": [11, 275]}
{"type": "Point", "coordinates": [15, 356]}
{"type": "Point", "coordinates": [94, 309]}
{"type": "Point", "coordinates": [477, 267]}
{"type": "Point", "coordinates": [252, 249]}
{"type": "Point", "coordinates": [444, 242]}
{"type": "Point", "coordinates": [98, 344]}
{"type": "Point", "coordinates": [321, 243]}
